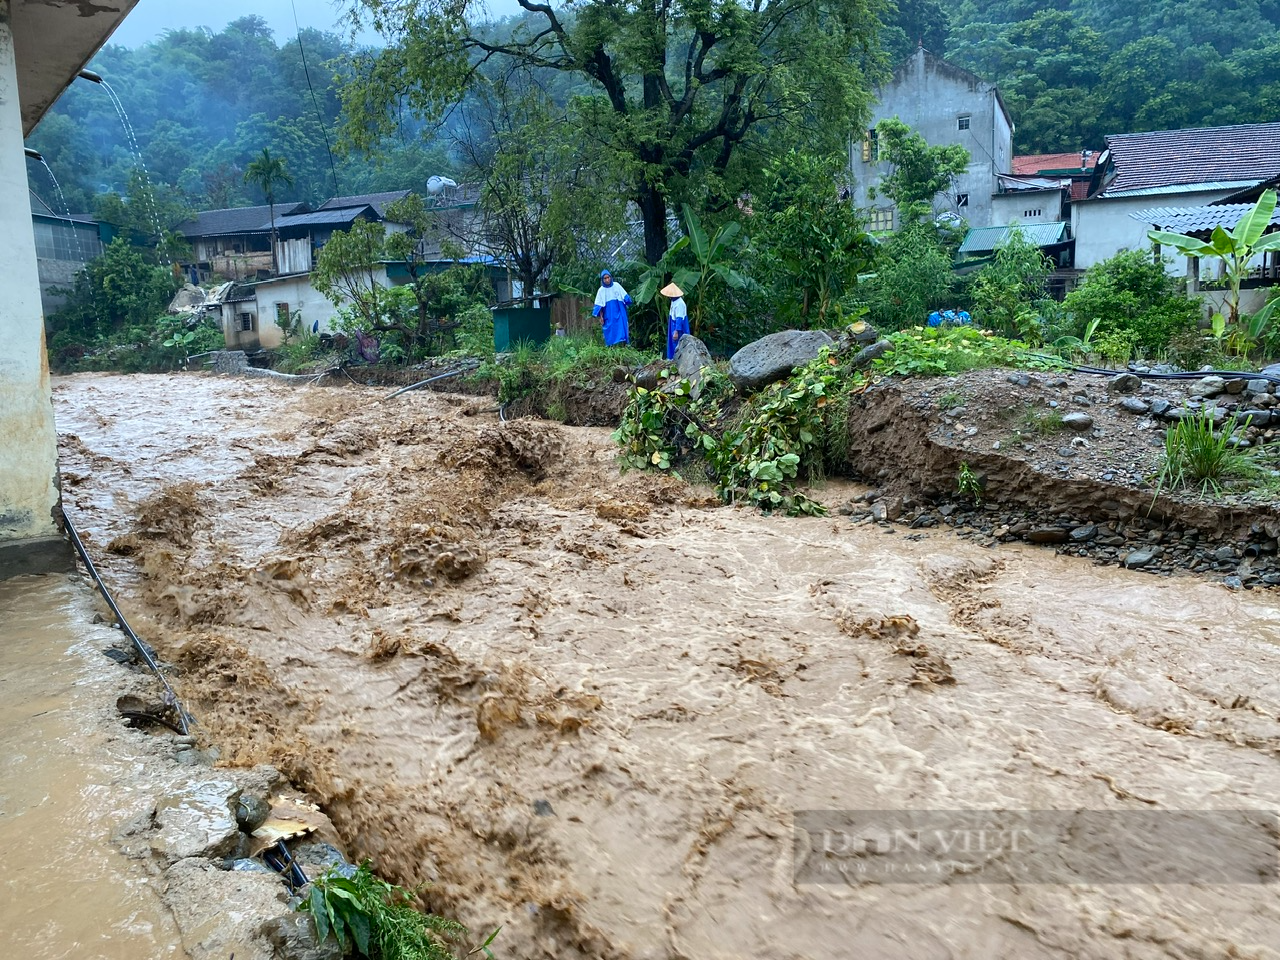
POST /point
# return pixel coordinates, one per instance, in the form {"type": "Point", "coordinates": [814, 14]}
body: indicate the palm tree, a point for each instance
{"type": "Point", "coordinates": [269, 172]}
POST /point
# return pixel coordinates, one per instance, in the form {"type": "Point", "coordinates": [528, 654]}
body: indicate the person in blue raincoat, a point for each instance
{"type": "Point", "coordinates": [677, 319]}
{"type": "Point", "coordinates": [611, 307]}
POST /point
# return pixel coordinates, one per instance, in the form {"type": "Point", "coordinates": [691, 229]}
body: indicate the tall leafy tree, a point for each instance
{"type": "Point", "coordinates": [671, 91]}
{"type": "Point", "coordinates": [269, 173]}
{"type": "Point", "coordinates": [919, 171]}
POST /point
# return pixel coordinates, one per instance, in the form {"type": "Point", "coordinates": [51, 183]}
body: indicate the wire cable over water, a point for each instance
{"type": "Point", "coordinates": [171, 698]}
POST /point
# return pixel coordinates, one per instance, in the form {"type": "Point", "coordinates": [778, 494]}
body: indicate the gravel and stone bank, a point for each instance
{"type": "Point", "coordinates": [1067, 461]}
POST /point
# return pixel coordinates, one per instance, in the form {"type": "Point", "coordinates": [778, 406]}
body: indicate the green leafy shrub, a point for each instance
{"type": "Point", "coordinates": [913, 276]}
{"type": "Point", "coordinates": [378, 919]}
{"type": "Point", "coordinates": [1130, 294]}
{"type": "Point", "coordinates": [944, 351]}
{"type": "Point", "coordinates": [1007, 291]}
{"type": "Point", "coordinates": [559, 363]}
{"type": "Point", "coordinates": [757, 456]}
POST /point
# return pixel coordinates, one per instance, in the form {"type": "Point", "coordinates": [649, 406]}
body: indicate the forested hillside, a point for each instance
{"type": "Point", "coordinates": [1073, 71]}
{"type": "Point", "coordinates": [203, 103]}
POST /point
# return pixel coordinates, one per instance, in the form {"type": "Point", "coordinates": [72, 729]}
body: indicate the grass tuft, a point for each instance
{"type": "Point", "coordinates": [1195, 456]}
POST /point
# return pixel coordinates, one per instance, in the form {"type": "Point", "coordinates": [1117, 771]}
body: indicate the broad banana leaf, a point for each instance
{"type": "Point", "coordinates": [1254, 223]}
{"type": "Point", "coordinates": [1181, 242]}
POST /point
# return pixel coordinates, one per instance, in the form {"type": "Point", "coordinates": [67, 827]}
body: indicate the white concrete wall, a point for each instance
{"type": "Point", "coordinates": [1103, 227]}
{"type": "Point", "coordinates": [28, 441]}
{"type": "Point", "coordinates": [298, 293]}
{"type": "Point", "coordinates": [1022, 207]}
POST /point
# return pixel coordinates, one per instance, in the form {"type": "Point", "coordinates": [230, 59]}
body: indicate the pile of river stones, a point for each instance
{"type": "Point", "coordinates": [1137, 543]}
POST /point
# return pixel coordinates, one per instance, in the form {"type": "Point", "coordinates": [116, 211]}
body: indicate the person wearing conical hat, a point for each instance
{"type": "Point", "coordinates": [677, 319]}
{"type": "Point", "coordinates": [611, 307]}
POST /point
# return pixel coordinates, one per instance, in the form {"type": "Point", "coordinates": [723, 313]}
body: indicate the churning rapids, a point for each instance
{"type": "Point", "coordinates": [585, 706]}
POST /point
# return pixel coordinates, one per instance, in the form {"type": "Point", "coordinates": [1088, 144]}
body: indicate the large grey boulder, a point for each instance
{"type": "Point", "coordinates": [691, 356]}
{"type": "Point", "coordinates": [773, 357]}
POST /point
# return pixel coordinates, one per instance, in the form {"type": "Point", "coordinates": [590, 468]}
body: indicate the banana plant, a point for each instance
{"type": "Point", "coordinates": [712, 257]}
{"type": "Point", "coordinates": [1235, 249]}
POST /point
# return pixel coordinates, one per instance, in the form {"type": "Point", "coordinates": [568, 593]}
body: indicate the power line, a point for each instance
{"type": "Point", "coordinates": [314, 102]}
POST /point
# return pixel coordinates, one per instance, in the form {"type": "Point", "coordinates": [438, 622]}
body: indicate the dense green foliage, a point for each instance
{"type": "Point", "coordinates": [913, 275]}
{"type": "Point", "coordinates": [376, 919]}
{"type": "Point", "coordinates": [1131, 294]}
{"type": "Point", "coordinates": [1073, 71]}
{"type": "Point", "coordinates": [944, 351]}
{"type": "Point", "coordinates": [1008, 292]}
{"type": "Point", "coordinates": [918, 172]}
{"type": "Point", "coordinates": [812, 243]}
{"type": "Point", "coordinates": [756, 455]}
{"type": "Point", "coordinates": [203, 105]}
{"type": "Point", "coordinates": [559, 364]}
{"type": "Point", "coordinates": [676, 101]}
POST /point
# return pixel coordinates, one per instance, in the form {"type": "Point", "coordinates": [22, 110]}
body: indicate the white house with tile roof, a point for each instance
{"type": "Point", "coordinates": [1184, 168]}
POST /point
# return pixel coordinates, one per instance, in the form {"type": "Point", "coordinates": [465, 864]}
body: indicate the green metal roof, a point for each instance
{"type": "Point", "coordinates": [985, 239]}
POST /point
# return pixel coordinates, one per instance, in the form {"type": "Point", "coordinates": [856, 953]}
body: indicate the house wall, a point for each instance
{"type": "Point", "coordinates": [1103, 226]}
{"type": "Point", "coordinates": [298, 293]}
{"type": "Point", "coordinates": [207, 248]}
{"type": "Point", "coordinates": [930, 96]}
{"type": "Point", "coordinates": [29, 464]}
{"type": "Point", "coordinates": [293, 256]}
{"type": "Point", "coordinates": [1026, 206]}
{"type": "Point", "coordinates": [236, 338]}
{"type": "Point", "coordinates": [239, 266]}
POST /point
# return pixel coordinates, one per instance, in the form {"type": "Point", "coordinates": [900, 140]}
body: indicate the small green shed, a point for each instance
{"type": "Point", "coordinates": [511, 325]}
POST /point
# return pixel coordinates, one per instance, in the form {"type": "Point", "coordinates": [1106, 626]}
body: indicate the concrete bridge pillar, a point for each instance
{"type": "Point", "coordinates": [30, 539]}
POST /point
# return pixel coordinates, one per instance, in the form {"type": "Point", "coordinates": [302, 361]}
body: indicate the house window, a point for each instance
{"type": "Point", "coordinates": [962, 200]}
{"type": "Point", "coordinates": [1031, 213]}
{"type": "Point", "coordinates": [282, 316]}
{"type": "Point", "coordinates": [870, 146]}
{"type": "Point", "coordinates": [882, 219]}
{"type": "Point", "coordinates": [246, 321]}
{"type": "Point", "coordinates": [962, 123]}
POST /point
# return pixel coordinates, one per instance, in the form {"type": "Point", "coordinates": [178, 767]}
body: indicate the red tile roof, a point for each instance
{"type": "Point", "coordinates": [1044, 163]}
{"type": "Point", "coordinates": [1244, 153]}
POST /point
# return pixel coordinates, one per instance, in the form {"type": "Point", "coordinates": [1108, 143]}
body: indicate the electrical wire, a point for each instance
{"type": "Point", "coordinates": [306, 72]}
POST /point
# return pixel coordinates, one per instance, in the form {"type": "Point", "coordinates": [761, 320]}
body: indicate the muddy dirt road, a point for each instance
{"type": "Point", "coordinates": [585, 706]}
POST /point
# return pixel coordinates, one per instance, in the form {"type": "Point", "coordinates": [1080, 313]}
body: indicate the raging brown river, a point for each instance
{"type": "Point", "coordinates": [587, 707]}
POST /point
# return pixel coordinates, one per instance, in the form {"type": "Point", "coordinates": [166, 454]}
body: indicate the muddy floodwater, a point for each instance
{"type": "Point", "coordinates": [587, 707]}
{"type": "Point", "coordinates": [67, 778]}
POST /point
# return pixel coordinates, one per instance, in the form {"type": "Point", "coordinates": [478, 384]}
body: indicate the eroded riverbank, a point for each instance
{"type": "Point", "coordinates": [585, 706]}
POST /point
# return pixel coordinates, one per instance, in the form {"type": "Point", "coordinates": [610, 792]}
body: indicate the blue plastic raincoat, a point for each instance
{"type": "Point", "coordinates": [677, 325]}
{"type": "Point", "coordinates": [611, 306]}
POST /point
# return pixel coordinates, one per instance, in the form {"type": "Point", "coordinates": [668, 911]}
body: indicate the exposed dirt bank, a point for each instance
{"type": "Point", "coordinates": [1092, 490]}
{"type": "Point", "coordinates": [586, 706]}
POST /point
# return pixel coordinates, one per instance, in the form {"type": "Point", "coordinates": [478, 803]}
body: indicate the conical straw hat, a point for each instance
{"type": "Point", "coordinates": [671, 290]}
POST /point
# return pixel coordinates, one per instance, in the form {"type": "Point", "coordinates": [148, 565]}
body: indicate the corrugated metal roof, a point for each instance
{"type": "Point", "coordinates": [1182, 188]}
{"type": "Point", "coordinates": [378, 201]}
{"type": "Point", "coordinates": [1240, 154]}
{"type": "Point", "coordinates": [234, 220]}
{"type": "Point", "coordinates": [986, 239]}
{"type": "Point", "coordinates": [324, 218]}
{"type": "Point", "coordinates": [1197, 219]}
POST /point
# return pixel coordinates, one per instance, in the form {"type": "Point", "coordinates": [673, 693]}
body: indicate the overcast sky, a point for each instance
{"type": "Point", "coordinates": [151, 18]}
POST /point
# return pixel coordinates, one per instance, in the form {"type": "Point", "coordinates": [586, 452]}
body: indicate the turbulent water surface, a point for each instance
{"type": "Point", "coordinates": [586, 707]}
